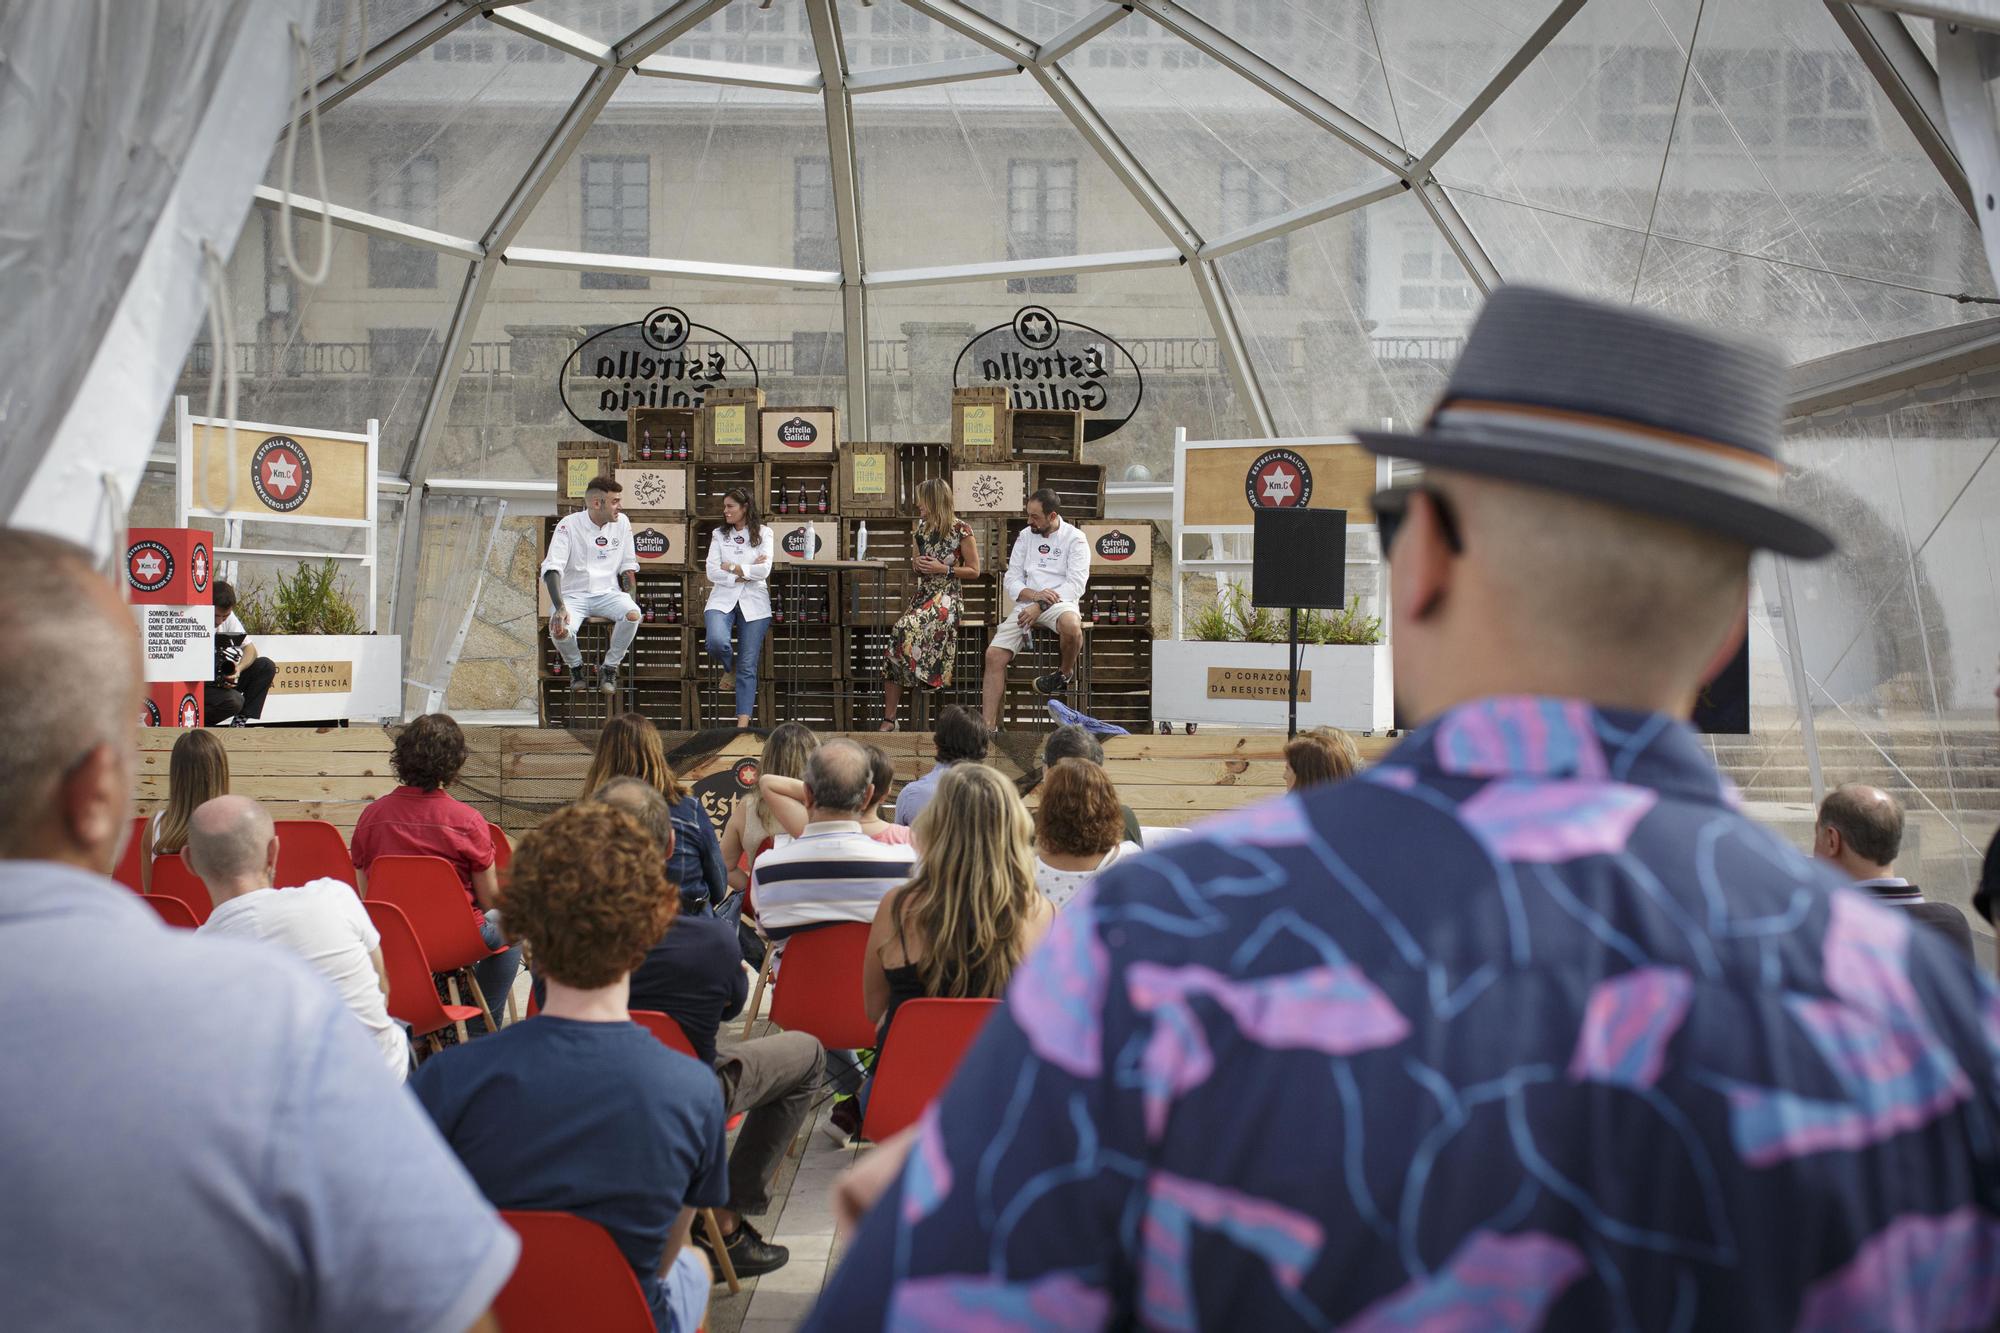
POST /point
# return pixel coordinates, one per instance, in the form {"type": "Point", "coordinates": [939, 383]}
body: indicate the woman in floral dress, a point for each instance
{"type": "Point", "coordinates": [925, 640]}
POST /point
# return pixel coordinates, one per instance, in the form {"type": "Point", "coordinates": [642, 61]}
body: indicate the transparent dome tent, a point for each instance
{"type": "Point", "coordinates": [1287, 211]}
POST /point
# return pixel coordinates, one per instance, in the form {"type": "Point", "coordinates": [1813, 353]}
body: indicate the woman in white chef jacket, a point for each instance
{"type": "Point", "coordinates": [740, 555]}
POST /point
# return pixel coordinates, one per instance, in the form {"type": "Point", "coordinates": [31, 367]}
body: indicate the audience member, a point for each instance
{"type": "Point", "coordinates": [694, 975]}
{"type": "Point", "coordinates": [630, 747]}
{"type": "Point", "coordinates": [197, 772]}
{"type": "Point", "coordinates": [1860, 830]}
{"type": "Point", "coordinates": [1319, 756]}
{"type": "Point", "coordinates": [1077, 829]}
{"type": "Point", "coordinates": [420, 818]}
{"type": "Point", "coordinates": [233, 847]}
{"type": "Point", "coordinates": [579, 1109]}
{"type": "Point", "coordinates": [1071, 741]}
{"type": "Point", "coordinates": [1526, 1026]}
{"type": "Point", "coordinates": [833, 871]}
{"type": "Point", "coordinates": [786, 799]}
{"type": "Point", "coordinates": [750, 824]}
{"type": "Point", "coordinates": [194, 1133]}
{"type": "Point", "coordinates": [960, 737]}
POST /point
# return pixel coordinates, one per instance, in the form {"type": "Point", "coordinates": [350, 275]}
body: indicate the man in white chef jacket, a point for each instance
{"type": "Point", "coordinates": [592, 570]}
{"type": "Point", "coordinates": [1046, 574]}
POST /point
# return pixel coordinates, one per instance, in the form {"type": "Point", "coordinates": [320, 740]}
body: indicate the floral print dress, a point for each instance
{"type": "Point", "coordinates": [924, 642]}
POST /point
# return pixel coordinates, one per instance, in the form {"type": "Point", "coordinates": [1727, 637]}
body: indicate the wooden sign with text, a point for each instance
{"type": "Point", "coordinates": [1256, 683]}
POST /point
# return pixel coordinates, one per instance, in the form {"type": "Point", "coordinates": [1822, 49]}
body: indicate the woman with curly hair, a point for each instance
{"type": "Point", "coordinates": [1080, 831]}
{"type": "Point", "coordinates": [630, 747]}
{"type": "Point", "coordinates": [579, 1109]}
{"type": "Point", "coordinates": [419, 818]}
{"type": "Point", "coordinates": [197, 772]}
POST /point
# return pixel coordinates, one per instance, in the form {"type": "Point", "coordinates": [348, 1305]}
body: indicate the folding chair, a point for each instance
{"type": "Point", "coordinates": [430, 894]}
{"type": "Point", "coordinates": [918, 1058]}
{"type": "Point", "coordinates": [669, 1034]}
{"type": "Point", "coordinates": [172, 910]}
{"type": "Point", "coordinates": [571, 1275]}
{"type": "Point", "coordinates": [127, 870]}
{"type": "Point", "coordinates": [413, 997]}
{"type": "Point", "coordinates": [173, 879]}
{"type": "Point", "coordinates": [310, 849]}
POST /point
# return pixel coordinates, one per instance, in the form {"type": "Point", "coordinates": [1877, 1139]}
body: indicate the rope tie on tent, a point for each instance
{"type": "Point", "coordinates": [308, 97]}
{"type": "Point", "coordinates": [356, 18]}
{"type": "Point", "coordinates": [221, 373]}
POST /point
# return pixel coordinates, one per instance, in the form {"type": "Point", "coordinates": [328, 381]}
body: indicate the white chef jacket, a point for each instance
{"type": "Point", "coordinates": [1060, 561]}
{"type": "Point", "coordinates": [588, 557]}
{"type": "Point", "coordinates": [752, 592]}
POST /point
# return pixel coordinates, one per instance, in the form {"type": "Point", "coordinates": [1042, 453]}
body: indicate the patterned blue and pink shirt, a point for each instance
{"type": "Point", "coordinates": [1526, 1027]}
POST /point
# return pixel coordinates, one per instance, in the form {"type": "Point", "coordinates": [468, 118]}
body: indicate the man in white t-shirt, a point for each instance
{"type": "Point", "coordinates": [592, 570]}
{"type": "Point", "coordinates": [242, 676]}
{"type": "Point", "coordinates": [1046, 574]}
{"type": "Point", "coordinates": [233, 846]}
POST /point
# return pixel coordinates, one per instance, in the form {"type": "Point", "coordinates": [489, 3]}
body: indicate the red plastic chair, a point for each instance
{"type": "Point", "coordinates": [172, 910]}
{"type": "Point", "coordinates": [818, 986]}
{"type": "Point", "coordinates": [918, 1058]}
{"type": "Point", "coordinates": [413, 996]}
{"type": "Point", "coordinates": [173, 879]}
{"type": "Point", "coordinates": [310, 849]}
{"type": "Point", "coordinates": [571, 1275]}
{"type": "Point", "coordinates": [127, 870]}
{"type": "Point", "coordinates": [429, 893]}
{"type": "Point", "coordinates": [503, 850]}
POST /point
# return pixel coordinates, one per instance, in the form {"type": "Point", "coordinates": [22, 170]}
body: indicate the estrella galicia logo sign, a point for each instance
{"type": "Point", "coordinates": [1043, 548]}
{"type": "Point", "coordinates": [1052, 365]}
{"type": "Point", "coordinates": [149, 566]}
{"type": "Point", "coordinates": [190, 711]}
{"type": "Point", "coordinates": [1279, 479]}
{"type": "Point", "coordinates": [602, 540]}
{"type": "Point", "coordinates": [198, 566]}
{"type": "Point", "coordinates": [281, 474]}
{"type": "Point", "coordinates": [649, 544]}
{"type": "Point", "coordinates": [151, 717]}
{"type": "Point", "coordinates": [721, 790]}
{"type": "Point", "coordinates": [663, 360]}
{"type": "Point", "coordinates": [798, 433]}
{"type": "Point", "coordinates": [1116, 545]}
{"type": "Point", "coordinates": [795, 543]}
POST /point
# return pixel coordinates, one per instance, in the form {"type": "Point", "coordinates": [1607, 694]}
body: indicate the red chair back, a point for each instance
{"type": "Point", "coordinates": [311, 849]}
{"type": "Point", "coordinates": [172, 910]}
{"type": "Point", "coordinates": [663, 1027]}
{"type": "Point", "coordinates": [413, 997]}
{"type": "Point", "coordinates": [819, 986]}
{"type": "Point", "coordinates": [126, 872]}
{"type": "Point", "coordinates": [918, 1058]}
{"type": "Point", "coordinates": [429, 893]}
{"type": "Point", "coordinates": [503, 850]}
{"type": "Point", "coordinates": [571, 1275]}
{"type": "Point", "coordinates": [173, 879]}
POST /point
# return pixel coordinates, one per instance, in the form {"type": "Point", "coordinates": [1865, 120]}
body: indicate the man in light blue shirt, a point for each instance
{"type": "Point", "coordinates": [959, 736]}
{"type": "Point", "coordinates": [194, 1133]}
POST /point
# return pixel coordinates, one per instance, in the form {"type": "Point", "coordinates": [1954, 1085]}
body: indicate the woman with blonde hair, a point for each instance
{"type": "Point", "coordinates": [924, 642]}
{"type": "Point", "coordinates": [751, 822]}
{"type": "Point", "coordinates": [630, 747]}
{"type": "Point", "coordinates": [785, 798]}
{"type": "Point", "coordinates": [1319, 756]}
{"type": "Point", "coordinates": [197, 772]}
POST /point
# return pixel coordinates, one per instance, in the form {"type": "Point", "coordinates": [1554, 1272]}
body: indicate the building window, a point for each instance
{"type": "Point", "coordinates": [1637, 95]}
{"type": "Point", "coordinates": [815, 234]}
{"type": "Point", "coordinates": [617, 215]}
{"type": "Point", "coordinates": [1826, 102]}
{"type": "Point", "coordinates": [405, 189]}
{"type": "Point", "coordinates": [1250, 196]}
{"type": "Point", "coordinates": [1041, 218]}
{"type": "Point", "coordinates": [1740, 101]}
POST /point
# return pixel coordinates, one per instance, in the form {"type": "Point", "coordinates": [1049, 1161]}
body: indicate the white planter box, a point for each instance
{"type": "Point", "coordinates": [1351, 686]}
{"type": "Point", "coordinates": [369, 665]}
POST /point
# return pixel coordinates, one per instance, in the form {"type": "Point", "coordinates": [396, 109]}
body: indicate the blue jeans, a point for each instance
{"type": "Point", "coordinates": [749, 652]}
{"type": "Point", "coordinates": [680, 1295]}
{"type": "Point", "coordinates": [496, 974]}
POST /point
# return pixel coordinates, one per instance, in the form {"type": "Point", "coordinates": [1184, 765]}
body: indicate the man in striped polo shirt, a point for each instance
{"type": "Point", "coordinates": [833, 871]}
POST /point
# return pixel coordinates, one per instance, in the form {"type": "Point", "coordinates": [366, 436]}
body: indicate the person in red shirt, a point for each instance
{"type": "Point", "coordinates": [419, 818]}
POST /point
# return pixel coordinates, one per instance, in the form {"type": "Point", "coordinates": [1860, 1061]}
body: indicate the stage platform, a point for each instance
{"type": "Point", "coordinates": [516, 776]}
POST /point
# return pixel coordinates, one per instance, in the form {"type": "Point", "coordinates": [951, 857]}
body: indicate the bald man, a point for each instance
{"type": "Point", "coordinates": [1860, 829]}
{"type": "Point", "coordinates": [194, 1133]}
{"type": "Point", "coordinates": [233, 846]}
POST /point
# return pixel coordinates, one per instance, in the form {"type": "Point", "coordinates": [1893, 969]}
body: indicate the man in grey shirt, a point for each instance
{"type": "Point", "coordinates": [959, 737]}
{"type": "Point", "coordinates": [194, 1133]}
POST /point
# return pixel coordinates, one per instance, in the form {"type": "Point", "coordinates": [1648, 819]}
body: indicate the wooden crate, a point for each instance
{"type": "Point", "coordinates": [664, 702]}
{"type": "Point", "coordinates": [968, 670]}
{"type": "Point", "coordinates": [577, 710]}
{"type": "Point", "coordinates": [802, 595]}
{"type": "Point", "coordinates": [800, 487]}
{"type": "Point", "coordinates": [862, 650]}
{"type": "Point", "coordinates": [656, 436]}
{"type": "Point", "coordinates": [868, 478]}
{"type": "Point", "coordinates": [707, 704]}
{"type": "Point", "coordinates": [709, 481]}
{"type": "Point", "coordinates": [805, 651]}
{"type": "Point", "coordinates": [658, 544]}
{"type": "Point", "coordinates": [577, 461]}
{"type": "Point", "coordinates": [1123, 544]}
{"type": "Point", "coordinates": [801, 541]}
{"type": "Point", "coordinates": [660, 652]}
{"type": "Point", "coordinates": [1128, 703]}
{"type": "Point", "coordinates": [821, 705]}
{"type": "Point", "coordinates": [871, 599]}
{"type": "Point", "coordinates": [1079, 487]}
{"type": "Point", "coordinates": [798, 432]}
{"type": "Point", "coordinates": [652, 490]}
{"type": "Point", "coordinates": [891, 539]}
{"type": "Point", "coordinates": [670, 595]}
{"type": "Point", "coordinates": [996, 488]}
{"type": "Point", "coordinates": [915, 465]}
{"type": "Point", "coordinates": [979, 424]}
{"type": "Point", "coordinates": [727, 432]}
{"type": "Point", "coordinates": [1040, 435]}
{"type": "Point", "coordinates": [1119, 652]}
{"type": "Point", "coordinates": [982, 603]}
{"type": "Point", "coordinates": [1119, 599]}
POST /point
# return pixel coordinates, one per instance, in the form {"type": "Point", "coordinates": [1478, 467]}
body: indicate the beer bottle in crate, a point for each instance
{"type": "Point", "coordinates": [646, 443]}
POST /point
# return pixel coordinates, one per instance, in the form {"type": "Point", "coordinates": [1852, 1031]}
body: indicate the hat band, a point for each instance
{"type": "Point", "coordinates": [1662, 446]}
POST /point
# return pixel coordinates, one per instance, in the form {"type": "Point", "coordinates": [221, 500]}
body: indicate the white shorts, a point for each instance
{"type": "Point", "coordinates": [1012, 636]}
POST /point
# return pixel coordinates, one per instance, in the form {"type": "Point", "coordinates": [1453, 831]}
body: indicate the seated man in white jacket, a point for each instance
{"type": "Point", "coordinates": [1046, 574]}
{"type": "Point", "coordinates": [592, 570]}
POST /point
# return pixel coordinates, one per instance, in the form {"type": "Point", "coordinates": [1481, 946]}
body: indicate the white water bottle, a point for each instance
{"type": "Point", "coordinates": [812, 539]}
{"type": "Point", "coordinates": [861, 541]}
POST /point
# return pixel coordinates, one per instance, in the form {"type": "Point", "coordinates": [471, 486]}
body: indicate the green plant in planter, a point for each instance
{"type": "Point", "coordinates": [1250, 624]}
{"type": "Point", "coordinates": [1212, 624]}
{"type": "Point", "coordinates": [1346, 626]}
{"type": "Point", "coordinates": [312, 600]}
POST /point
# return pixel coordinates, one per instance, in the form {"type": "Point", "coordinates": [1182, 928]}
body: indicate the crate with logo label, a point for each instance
{"type": "Point", "coordinates": [709, 482]}
{"type": "Point", "coordinates": [660, 544]}
{"type": "Point", "coordinates": [989, 488]}
{"type": "Point", "coordinates": [577, 461]}
{"type": "Point", "coordinates": [867, 484]}
{"type": "Point", "coordinates": [1119, 546]}
{"type": "Point", "coordinates": [1041, 435]}
{"type": "Point", "coordinates": [1079, 487]}
{"type": "Point", "coordinates": [652, 491]}
{"type": "Point", "coordinates": [979, 424]}
{"type": "Point", "coordinates": [813, 539]}
{"type": "Point", "coordinates": [802, 596]}
{"type": "Point", "coordinates": [710, 702]}
{"type": "Point", "coordinates": [798, 432]}
{"type": "Point", "coordinates": [659, 436]}
{"type": "Point", "coordinates": [727, 431]}
{"type": "Point", "coordinates": [915, 465]}
{"type": "Point", "coordinates": [799, 488]}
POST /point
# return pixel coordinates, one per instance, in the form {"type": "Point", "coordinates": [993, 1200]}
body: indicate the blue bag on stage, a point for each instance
{"type": "Point", "coordinates": [1069, 717]}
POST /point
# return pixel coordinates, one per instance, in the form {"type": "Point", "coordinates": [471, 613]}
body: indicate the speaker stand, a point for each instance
{"type": "Point", "coordinates": [1292, 678]}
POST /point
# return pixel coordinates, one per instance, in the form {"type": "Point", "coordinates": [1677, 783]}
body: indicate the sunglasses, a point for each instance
{"type": "Point", "coordinates": [1392, 506]}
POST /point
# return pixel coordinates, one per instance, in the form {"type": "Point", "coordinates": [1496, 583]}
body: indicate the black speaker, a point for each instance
{"type": "Point", "coordinates": [1299, 559]}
